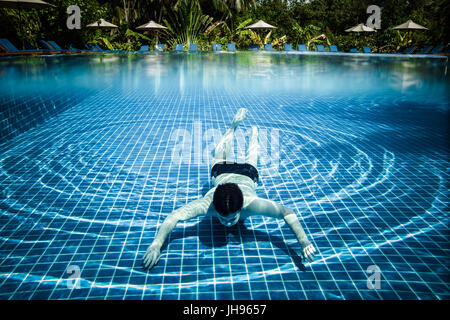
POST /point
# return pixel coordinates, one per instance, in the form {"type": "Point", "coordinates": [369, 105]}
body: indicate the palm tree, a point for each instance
{"type": "Point", "coordinates": [187, 22]}
{"type": "Point", "coordinates": [234, 5]}
{"type": "Point", "coordinates": [241, 5]}
{"type": "Point", "coordinates": [124, 10]}
{"type": "Point", "coordinates": [129, 9]}
{"type": "Point", "coordinates": [309, 35]}
{"type": "Point", "coordinates": [229, 8]}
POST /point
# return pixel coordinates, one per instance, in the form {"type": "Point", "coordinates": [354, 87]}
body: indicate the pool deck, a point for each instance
{"type": "Point", "coordinates": [380, 55]}
{"type": "Point", "coordinates": [294, 52]}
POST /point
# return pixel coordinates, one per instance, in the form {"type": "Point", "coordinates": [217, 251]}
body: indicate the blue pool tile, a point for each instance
{"type": "Point", "coordinates": [87, 175]}
{"type": "Point", "coordinates": [41, 294]}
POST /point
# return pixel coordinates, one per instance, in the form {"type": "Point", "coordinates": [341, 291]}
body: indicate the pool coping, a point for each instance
{"type": "Point", "coordinates": [374, 54]}
{"type": "Point", "coordinates": [300, 53]}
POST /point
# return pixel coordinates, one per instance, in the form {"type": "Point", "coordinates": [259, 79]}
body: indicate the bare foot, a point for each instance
{"type": "Point", "coordinates": [240, 115]}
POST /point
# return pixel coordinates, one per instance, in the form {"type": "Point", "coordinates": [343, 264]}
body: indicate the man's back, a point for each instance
{"type": "Point", "coordinates": [246, 185]}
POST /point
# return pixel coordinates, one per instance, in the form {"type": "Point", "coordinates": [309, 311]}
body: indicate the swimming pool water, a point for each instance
{"type": "Point", "coordinates": [95, 151]}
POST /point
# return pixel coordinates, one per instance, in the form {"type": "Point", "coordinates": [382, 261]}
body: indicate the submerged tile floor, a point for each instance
{"type": "Point", "coordinates": [87, 189]}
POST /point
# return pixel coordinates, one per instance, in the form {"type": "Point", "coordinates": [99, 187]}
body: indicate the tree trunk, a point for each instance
{"type": "Point", "coordinates": [21, 28]}
{"type": "Point", "coordinates": [125, 10]}
{"type": "Point", "coordinates": [160, 14]}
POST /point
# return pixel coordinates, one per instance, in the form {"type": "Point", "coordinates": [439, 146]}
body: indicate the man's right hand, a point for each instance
{"type": "Point", "coordinates": [151, 257]}
{"type": "Point", "coordinates": [308, 252]}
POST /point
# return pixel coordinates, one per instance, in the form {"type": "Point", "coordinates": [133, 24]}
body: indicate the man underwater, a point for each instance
{"type": "Point", "coordinates": [233, 196]}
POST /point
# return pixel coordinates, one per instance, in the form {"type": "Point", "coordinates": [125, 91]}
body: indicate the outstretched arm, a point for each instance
{"type": "Point", "coordinates": [272, 209]}
{"type": "Point", "coordinates": [189, 211]}
{"type": "Point", "coordinates": [308, 249]}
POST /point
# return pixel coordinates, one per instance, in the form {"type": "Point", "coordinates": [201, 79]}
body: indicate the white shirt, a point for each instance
{"type": "Point", "coordinates": [252, 203]}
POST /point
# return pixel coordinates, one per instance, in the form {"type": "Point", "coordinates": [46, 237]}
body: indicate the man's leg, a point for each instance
{"type": "Point", "coordinates": [253, 148]}
{"type": "Point", "coordinates": [226, 142]}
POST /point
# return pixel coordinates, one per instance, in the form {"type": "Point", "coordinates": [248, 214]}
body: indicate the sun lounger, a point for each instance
{"type": "Point", "coordinates": [231, 47]}
{"type": "Point", "coordinates": [410, 50]}
{"type": "Point", "coordinates": [333, 48]}
{"type": "Point", "coordinates": [29, 46]}
{"type": "Point", "coordinates": [437, 49]}
{"type": "Point", "coordinates": [92, 48]}
{"type": "Point", "coordinates": [354, 50]}
{"type": "Point", "coordinates": [10, 49]}
{"type": "Point", "coordinates": [320, 48]}
{"type": "Point", "coordinates": [178, 47]}
{"type": "Point", "coordinates": [159, 47]}
{"type": "Point", "coordinates": [301, 47]}
{"type": "Point", "coordinates": [49, 48]}
{"type": "Point", "coordinates": [268, 47]}
{"type": "Point", "coordinates": [143, 49]}
{"type": "Point", "coordinates": [288, 47]}
{"type": "Point", "coordinates": [217, 47]}
{"type": "Point", "coordinates": [367, 50]}
{"type": "Point", "coordinates": [108, 51]}
{"type": "Point", "coordinates": [72, 48]}
{"type": "Point", "coordinates": [97, 48]}
{"type": "Point", "coordinates": [58, 48]}
{"type": "Point", "coordinates": [193, 47]}
{"type": "Point", "coordinates": [441, 50]}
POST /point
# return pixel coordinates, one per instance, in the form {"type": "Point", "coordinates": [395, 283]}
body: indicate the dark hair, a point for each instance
{"type": "Point", "coordinates": [228, 198]}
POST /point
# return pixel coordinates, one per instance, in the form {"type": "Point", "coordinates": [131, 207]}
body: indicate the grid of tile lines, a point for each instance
{"type": "Point", "coordinates": [103, 223]}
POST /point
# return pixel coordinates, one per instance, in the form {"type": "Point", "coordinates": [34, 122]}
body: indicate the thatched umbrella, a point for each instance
{"type": "Point", "coordinates": [102, 24]}
{"type": "Point", "coordinates": [152, 26]}
{"type": "Point", "coordinates": [24, 4]}
{"type": "Point", "coordinates": [260, 25]}
{"type": "Point", "coordinates": [409, 26]}
{"type": "Point", "coordinates": [360, 28]}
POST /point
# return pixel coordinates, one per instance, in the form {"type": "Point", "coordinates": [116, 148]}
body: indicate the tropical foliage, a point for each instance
{"type": "Point", "coordinates": [222, 21]}
{"type": "Point", "coordinates": [186, 23]}
{"type": "Point", "coordinates": [309, 35]}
